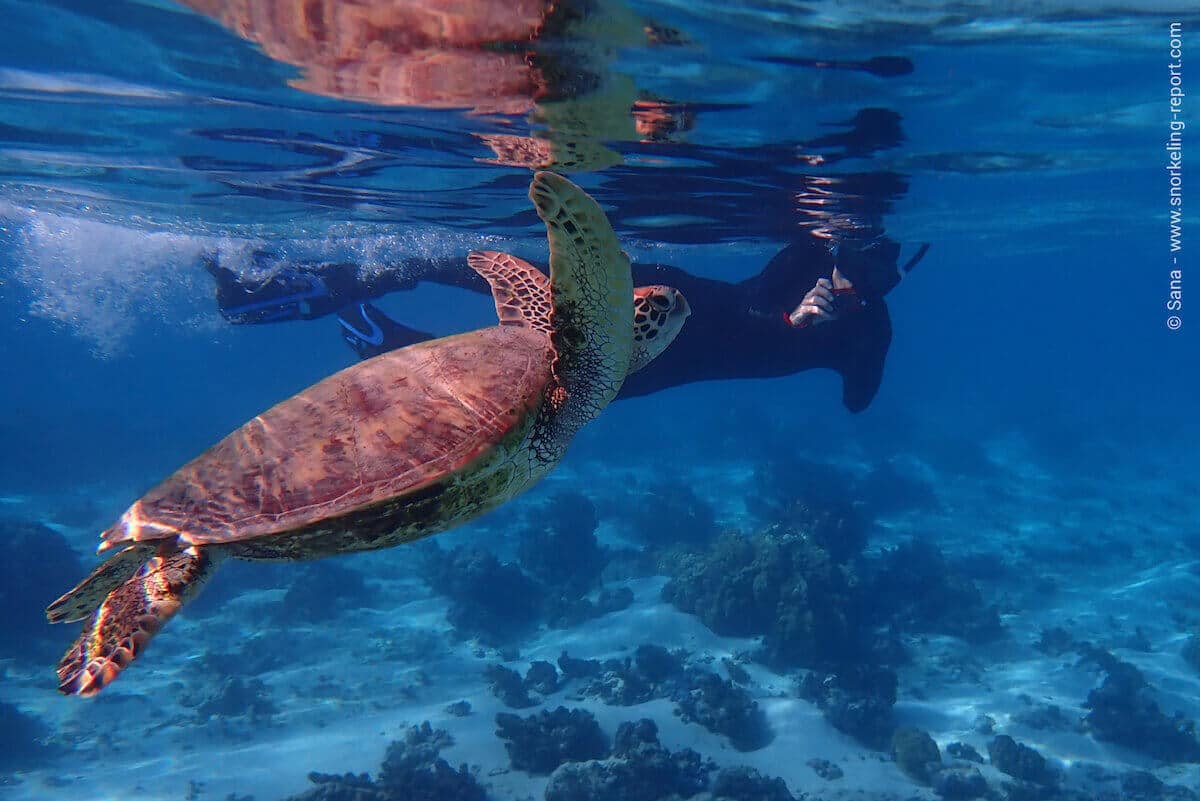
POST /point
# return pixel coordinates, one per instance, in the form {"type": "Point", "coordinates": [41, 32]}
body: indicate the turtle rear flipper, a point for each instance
{"type": "Point", "coordinates": [91, 592]}
{"type": "Point", "coordinates": [129, 616]}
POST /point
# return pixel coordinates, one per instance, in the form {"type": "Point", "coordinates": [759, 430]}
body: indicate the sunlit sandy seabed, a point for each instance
{"type": "Point", "coordinates": [338, 689]}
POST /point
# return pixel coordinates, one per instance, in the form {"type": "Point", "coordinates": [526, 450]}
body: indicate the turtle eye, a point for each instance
{"type": "Point", "coordinates": [661, 302]}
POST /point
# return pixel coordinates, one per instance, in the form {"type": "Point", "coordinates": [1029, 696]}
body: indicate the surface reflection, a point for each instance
{"type": "Point", "coordinates": [550, 62]}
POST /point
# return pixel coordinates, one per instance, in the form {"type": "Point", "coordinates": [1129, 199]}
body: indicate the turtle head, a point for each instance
{"type": "Point", "coordinates": [658, 315]}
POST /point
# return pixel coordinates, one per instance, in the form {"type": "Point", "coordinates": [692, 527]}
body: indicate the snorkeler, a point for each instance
{"type": "Point", "coordinates": [812, 306]}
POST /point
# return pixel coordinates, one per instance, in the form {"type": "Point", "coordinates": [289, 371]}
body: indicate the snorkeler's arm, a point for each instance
{"type": "Point", "coordinates": [863, 343]}
{"type": "Point", "coordinates": [452, 272]}
{"type": "Point", "coordinates": [789, 277]}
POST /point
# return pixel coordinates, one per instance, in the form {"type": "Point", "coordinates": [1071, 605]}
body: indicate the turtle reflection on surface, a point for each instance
{"type": "Point", "coordinates": [548, 61]}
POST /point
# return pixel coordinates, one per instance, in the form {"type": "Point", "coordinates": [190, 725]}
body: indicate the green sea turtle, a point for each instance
{"type": "Point", "coordinates": [390, 450]}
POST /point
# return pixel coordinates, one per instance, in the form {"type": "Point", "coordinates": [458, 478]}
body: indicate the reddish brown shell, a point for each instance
{"type": "Point", "coordinates": [375, 431]}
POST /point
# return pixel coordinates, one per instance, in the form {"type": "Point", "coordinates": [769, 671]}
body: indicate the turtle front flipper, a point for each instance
{"type": "Point", "coordinates": [520, 290]}
{"type": "Point", "coordinates": [130, 615]}
{"type": "Point", "coordinates": [522, 296]}
{"type": "Point", "coordinates": [591, 290]}
{"type": "Point", "coordinates": [88, 594]}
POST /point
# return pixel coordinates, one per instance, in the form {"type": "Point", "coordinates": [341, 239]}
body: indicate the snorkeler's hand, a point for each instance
{"type": "Point", "coordinates": [816, 307]}
{"type": "Point", "coordinates": [840, 282]}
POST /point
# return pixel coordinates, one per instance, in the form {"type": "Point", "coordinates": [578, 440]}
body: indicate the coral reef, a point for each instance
{"type": "Point", "coordinates": [1042, 717]}
{"type": "Point", "coordinates": [653, 672]}
{"type": "Point", "coordinates": [541, 678]}
{"type": "Point", "coordinates": [1124, 712]}
{"type": "Point", "coordinates": [573, 668]}
{"type": "Point", "coordinates": [641, 770]}
{"type": "Point", "coordinates": [814, 500]}
{"type": "Point", "coordinates": [1142, 786]}
{"type": "Point", "coordinates": [270, 649]}
{"type": "Point", "coordinates": [916, 754]}
{"type": "Point", "coordinates": [964, 752]}
{"type": "Point", "coordinates": [737, 673]}
{"type": "Point", "coordinates": [40, 564]}
{"type": "Point", "coordinates": [560, 565]}
{"type": "Point", "coordinates": [333, 787]}
{"type": "Point", "coordinates": [781, 585]}
{"type": "Point", "coordinates": [564, 610]}
{"type": "Point", "coordinates": [657, 664]}
{"type": "Point", "coordinates": [559, 547]}
{"type": "Point", "coordinates": [668, 514]}
{"type": "Point", "coordinates": [235, 698]}
{"type": "Point", "coordinates": [619, 683]}
{"type": "Point", "coordinates": [747, 784]}
{"type": "Point", "coordinates": [459, 709]}
{"type": "Point", "coordinates": [412, 770]}
{"type": "Point", "coordinates": [1055, 641]}
{"type": "Point", "coordinates": [825, 769]}
{"type": "Point", "coordinates": [490, 600]}
{"type": "Point", "coordinates": [800, 590]}
{"type": "Point", "coordinates": [857, 700]}
{"type": "Point", "coordinates": [914, 587]}
{"type": "Point", "coordinates": [1020, 761]}
{"type": "Point", "coordinates": [723, 708]}
{"type": "Point", "coordinates": [540, 743]}
{"type": "Point", "coordinates": [959, 783]}
{"type": "Point", "coordinates": [703, 697]}
{"type": "Point", "coordinates": [507, 685]}
{"type": "Point", "coordinates": [322, 591]}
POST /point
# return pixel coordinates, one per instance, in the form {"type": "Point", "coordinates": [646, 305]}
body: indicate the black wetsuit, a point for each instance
{"type": "Point", "coordinates": [737, 330]}
{"type": "Point", "coordinates": [741, 330]}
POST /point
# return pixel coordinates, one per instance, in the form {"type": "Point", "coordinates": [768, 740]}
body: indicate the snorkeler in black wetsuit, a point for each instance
{"type": "Point", "coordinates": [782, 321]}
{"type": "Point", "coordinates": [812, 306]}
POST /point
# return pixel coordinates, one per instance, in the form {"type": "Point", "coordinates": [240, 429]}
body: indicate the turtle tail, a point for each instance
{"type": "Point", "coordinates": [130, 614]}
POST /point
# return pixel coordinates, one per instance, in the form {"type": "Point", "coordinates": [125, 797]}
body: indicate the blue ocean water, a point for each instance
{"type": "Point", "coordinates": [999, 551]}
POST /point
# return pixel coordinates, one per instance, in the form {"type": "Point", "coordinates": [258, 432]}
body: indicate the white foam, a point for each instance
{"type": "Point", "coordinates": [100, 278]}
